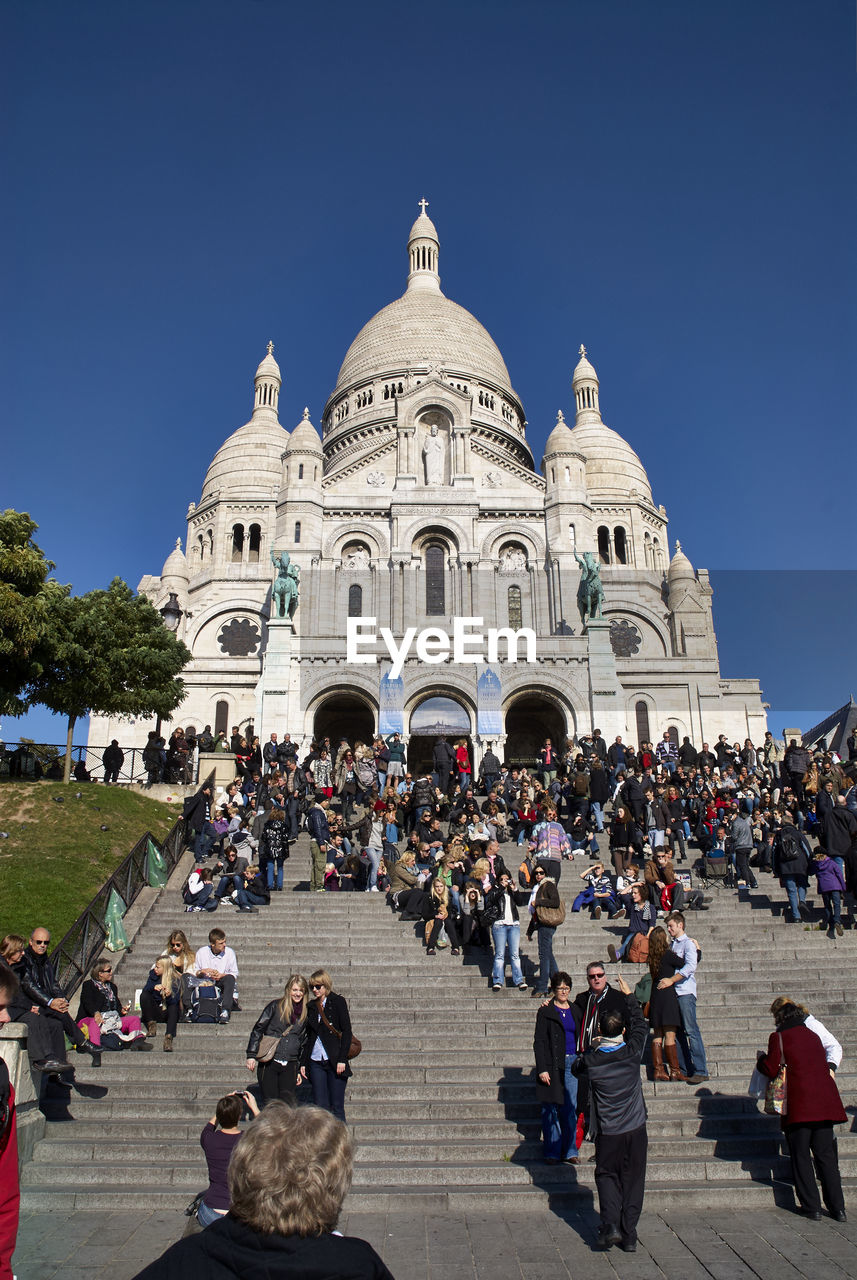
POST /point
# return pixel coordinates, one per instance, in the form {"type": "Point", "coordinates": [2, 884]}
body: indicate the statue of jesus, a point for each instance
{"type": "Point", "coordinates": [434, 457]}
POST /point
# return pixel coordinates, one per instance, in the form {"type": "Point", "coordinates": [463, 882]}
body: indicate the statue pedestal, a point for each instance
{"type": "Point", "coordinates": [278, 689]}
{"type": "Point", "coordinates": [606, 699]}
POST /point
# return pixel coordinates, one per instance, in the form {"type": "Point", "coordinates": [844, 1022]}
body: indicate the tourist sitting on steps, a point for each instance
{"type": "Point", "coordinates": [108, 1023]}
{"type": "Point", "coordinates": [160, 1001]}
{"type": "Point", "coordinates": [45, 1036]}
{"type": "Point", "coordinates": [39, 983]}
{"type": "Point", "coordinates": [218, 963]}
{"type": "Point", "coordinates": [198, 892]}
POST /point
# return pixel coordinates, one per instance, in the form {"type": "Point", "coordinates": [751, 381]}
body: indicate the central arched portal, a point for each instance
{"type": "Point", "coordinates": [344, 716]}
{"type": "Point", "coordinates": [436, 717]}
{"type": "Point", "coordinates": [529, 720]}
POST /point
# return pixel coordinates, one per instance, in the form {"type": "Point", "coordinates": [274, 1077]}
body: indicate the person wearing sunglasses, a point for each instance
{"type": "Point", "coordinates": [329, 1024]}
{"type": "Point", "coordinates": [40, 983]}
{"type": "Point", "coordinates": [106, 1020]}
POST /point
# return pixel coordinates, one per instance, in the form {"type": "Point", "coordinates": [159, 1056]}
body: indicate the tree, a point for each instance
{"type": "Point", "coordinates": [28, 601]}
{"type": "Point", "coordinates": [113, 655]}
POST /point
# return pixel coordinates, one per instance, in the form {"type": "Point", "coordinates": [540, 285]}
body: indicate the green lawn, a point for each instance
{"type": "Point", "coordinates": [56, 856]}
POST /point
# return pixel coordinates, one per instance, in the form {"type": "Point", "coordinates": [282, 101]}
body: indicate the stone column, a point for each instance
{"type": "Point", "coordinates": [605, 691]}
{"type": "Point", "coordinates": [278, 689]}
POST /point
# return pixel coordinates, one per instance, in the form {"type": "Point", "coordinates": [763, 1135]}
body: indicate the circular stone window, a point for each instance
{"type": "Point", "coordinates": [239, 638]}
{"type": "Point", "coordinates": [625, 639]}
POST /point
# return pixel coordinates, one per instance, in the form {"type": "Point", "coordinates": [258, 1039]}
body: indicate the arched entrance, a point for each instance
{"type": "Point", "coordinates": [433, 718]}
{"type": "Point", "coordinates": [344, 716]}
{"type": "Point", "coordinates": [530, 720]}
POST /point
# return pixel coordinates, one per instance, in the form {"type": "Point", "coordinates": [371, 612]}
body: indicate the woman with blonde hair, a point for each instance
{"type": "Point", "coordinates": [329, 1025]}
{"type": "Point", "coordinates": [283, 1058]}
{"type": "Point", "coordinates": [160, 1000]}
{"type": "Point", "coordinates": [443, 917]}
{"type": "Point", "coordinates": [664, 1011]}
{"type": "Point", "coordinates": [288, 1177]}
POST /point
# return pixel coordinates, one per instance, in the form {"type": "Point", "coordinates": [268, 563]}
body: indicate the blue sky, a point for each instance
{"type": "Point", "coordinates": [672, 184]}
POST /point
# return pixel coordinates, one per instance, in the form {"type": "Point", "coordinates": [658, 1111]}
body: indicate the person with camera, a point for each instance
{"type": "Point", "coordinates": [218, 1140]}
{"type": "Point", "coordinates": [500, 913]}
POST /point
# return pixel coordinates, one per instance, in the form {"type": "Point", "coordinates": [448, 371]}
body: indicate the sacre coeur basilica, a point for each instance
{"type": "Point", "coordinates": [410, 568]}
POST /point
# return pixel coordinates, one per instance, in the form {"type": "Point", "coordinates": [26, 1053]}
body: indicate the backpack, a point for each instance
{"type": "Point", "coordinates": [581, 784]}
{"type": "Point", "coordinates": [205, 1003]}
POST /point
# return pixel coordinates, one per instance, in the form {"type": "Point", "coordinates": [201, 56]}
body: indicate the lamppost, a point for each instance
{"type": "Point", "coordinates": [172, 615]}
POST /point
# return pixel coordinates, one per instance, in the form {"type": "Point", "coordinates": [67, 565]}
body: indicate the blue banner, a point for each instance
{"type": "Point", "coordinates": [391, 716]}
{"type": "Point", "coordinates": [489, 704]}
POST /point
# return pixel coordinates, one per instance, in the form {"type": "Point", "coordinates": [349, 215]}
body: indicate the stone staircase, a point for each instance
{"type": "Point", "coordinates": [442, 1102]}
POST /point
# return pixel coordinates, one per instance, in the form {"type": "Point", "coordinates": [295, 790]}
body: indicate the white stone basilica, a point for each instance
{"type": "Point", "coordinates": [421, 503]}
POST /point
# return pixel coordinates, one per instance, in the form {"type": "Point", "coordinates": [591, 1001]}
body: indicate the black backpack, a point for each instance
{"type": "Point", "coordinates": [205, 1003]}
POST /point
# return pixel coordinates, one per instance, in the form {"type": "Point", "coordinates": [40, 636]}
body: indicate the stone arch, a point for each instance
{"type": "Point", "coordinates": [421, 531]}
{"type": "Point", "coordinates": [631, 718]}
{"type": "Point", "coordinates": [358, 531]}
{"type": "Point", "coordinates": [632, 609]}
{"type": "Point", "coordinates": [348, 713]}
{"type": "Point", "coordinates": [512, 532]}
{"type": "Point", "coordinates": [422, 737]}
{"type": "Point", "coordinates": [531, 714]}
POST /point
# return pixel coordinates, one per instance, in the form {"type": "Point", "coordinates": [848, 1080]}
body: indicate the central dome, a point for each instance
{"type": "Point", "coordinates": [423, 327]}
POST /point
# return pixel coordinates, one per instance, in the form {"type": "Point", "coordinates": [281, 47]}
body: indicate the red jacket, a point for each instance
{"type": "Point", "coordinates": [812, 1095]}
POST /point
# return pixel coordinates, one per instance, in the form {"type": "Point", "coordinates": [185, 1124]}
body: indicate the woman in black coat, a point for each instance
{"type": "Point", "coordinates": [664, 1012]}
{"type": "Point", "coordinates": [555, 1048]}
{"type": "Point", "coordinates": [329, 1024]}
{"type": "Point", "coordinates": [281, 1073]}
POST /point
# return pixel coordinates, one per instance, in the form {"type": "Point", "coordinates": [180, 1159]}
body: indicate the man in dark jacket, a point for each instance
{"type": "Point", "coordinates": [797, 764]}
{"type": "Point", "coordinates": [591, 1005]}
{"type": "Point", "coordinates": [489, 770]}
{"type": "Point", "coordinates": [113, 760]}
{"type": "Point", "coordinates": [197, 814]}
{"type": "Point", "coordinates": [792, 856]}
{"type": "Point", "coordinates": [618, 1121]}
{"type": "Point", "coordinates": [840, 830]}
{"type": "Point", "coordinates": [443, 763]}
{"type": "Point", "coordinates": [687, 754]}
{"type": "Point", "coordinates": [319, 840]}
{"type": "Point", "coordinates": [39, 983]}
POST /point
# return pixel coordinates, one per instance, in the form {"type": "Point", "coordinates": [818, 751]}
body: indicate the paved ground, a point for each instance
{"type": "Point", "coordinates": [774, 1245]}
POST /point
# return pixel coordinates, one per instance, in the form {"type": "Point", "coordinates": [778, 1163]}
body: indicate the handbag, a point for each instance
{"type": "Point", "coordinates": [776, 1094]}
{"type": "Point", "coordinates": [355, 1046]}
{"type": "Point", "coordinates": [638, 952]}
{"type": "Point", "coordinates": [551, 916]}
{"type": "Point", "coordinates": [267, 1048]}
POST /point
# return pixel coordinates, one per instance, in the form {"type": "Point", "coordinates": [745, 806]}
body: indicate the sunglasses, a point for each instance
{"type": "Point", "coordinates": [40, 942]}
{"type": "Point", "coordinates": [590, 976]}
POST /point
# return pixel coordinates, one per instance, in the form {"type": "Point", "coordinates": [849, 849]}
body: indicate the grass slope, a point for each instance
{"type": "Point", "coordinates": [57, 856]}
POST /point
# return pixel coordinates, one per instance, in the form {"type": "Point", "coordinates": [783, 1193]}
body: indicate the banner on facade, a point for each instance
{"type": "Point", "coordinates": [391, 717]}
{"type": "Point", "coordinates": [489, 704]}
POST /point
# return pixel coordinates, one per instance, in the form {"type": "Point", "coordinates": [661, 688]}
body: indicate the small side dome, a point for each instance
{"type": "Point", "coordinates": [560, 439]}
{"type": "Point", "coordinates": [304, 438]}
{"type": "Point", "coordinates": [176, 565]}
{"type": "Point", "coordinates": [680, 570]}
{"type": "Point", "coordinates": [583, 371]}
{"type": "Point", "coordinates": [269, 368]}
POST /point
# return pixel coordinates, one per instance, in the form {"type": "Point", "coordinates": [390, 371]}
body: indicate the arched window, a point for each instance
{"type": "Point", "coordinates": [221, 717]}
{"type": "Point", "coordinates": [673, 733]}
{"type": "Point", "coordinates": [620, 545]}
{"type": "Point", "coordinates": [300, 471]}
{"type": "Point", "coordinates": [516, 619]}
{"type": "Point", "coordinates": [355, 601]}
{"type": "Point", "coordinates": [200, 548]}
{"type": "Point", "coordinates": [604, 544]}
{"type": "Point", "coordinates": [642, 712]}
{"type": "Point", "coordinates": [255, 543]}
{"type": "Point", "coordinates": [237, 542]}
{"type": "Point", "coordinates": [435, 585]}
{"type": "Point", "coordinates": [647, 551]}
{"type": "Point", "coordinates": [297, 531]}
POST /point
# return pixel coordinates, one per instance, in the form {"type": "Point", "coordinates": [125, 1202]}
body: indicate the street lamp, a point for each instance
{"type": "Point", "coordinates": [172, 613]}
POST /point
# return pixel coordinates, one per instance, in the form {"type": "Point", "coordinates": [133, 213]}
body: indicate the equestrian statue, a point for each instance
{"type": "Point", "coordinates": [284, 593]}
{"type": "Point", "coordinates": [590, 592]}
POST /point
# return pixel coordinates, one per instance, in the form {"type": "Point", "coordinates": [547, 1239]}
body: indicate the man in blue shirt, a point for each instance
{"type": "Point", "coordinates": [684, 980]}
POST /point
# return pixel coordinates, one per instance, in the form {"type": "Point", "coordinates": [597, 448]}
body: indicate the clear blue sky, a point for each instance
{"type": "Point", "coordinates": [672, 184]}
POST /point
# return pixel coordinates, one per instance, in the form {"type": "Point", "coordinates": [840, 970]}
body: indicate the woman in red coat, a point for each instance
{"type": "Point", "coordinates": [813, 1107]}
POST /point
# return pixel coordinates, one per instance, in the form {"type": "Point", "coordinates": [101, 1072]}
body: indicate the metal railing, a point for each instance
{"type": "Point", "coordinates": [33, 760]}
{"type": "Point", "coordinates": [75, 954]}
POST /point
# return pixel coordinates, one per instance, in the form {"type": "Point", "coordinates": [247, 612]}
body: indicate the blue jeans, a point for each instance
{"type": "Point", "coordinates": [374, 859]}
{"type": "Point", "coordinates": [506, 935]}
{"type": "Point", "coordinates": [206, 1216]}
{"type": "Point", "coordinates": [274, 873]}
{"type": "Point", "coordinates": [833, 906]}
{"type": "Point", "coordinates": [248, 899]}
{"type": "Point", "coordinates": [204, 840]}
{"type": "Point", "coordinates": [687, 1008]}
{"type": "Point", "coordinates": [328, 1088]}
{"type": "Point", "coordinates": [547, 964]}
{"type": "Point", "coordinates": [227, 884]}
{"type": "Point", "coordinates": [559, 1120]}
{"type": "Point", "coordinates": [205, 899]}
{"type": "Point", "coordinates": [796, 889]}
{"type": "Point", "coordinates": [598, 814]}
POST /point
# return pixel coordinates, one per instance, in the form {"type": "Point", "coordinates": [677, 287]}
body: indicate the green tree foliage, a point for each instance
{"type": "Point", "coordinates": [28, 600]}
{"type": "Point", "coordinates": [112, 655]}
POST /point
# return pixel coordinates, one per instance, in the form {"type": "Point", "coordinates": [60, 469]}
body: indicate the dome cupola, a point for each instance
{"type": "Point", "coordinates": [304, 438]}
{"type": "Point", "coordinates": [423, 252]}
{"type": "Point", "coordinates": [613, 470]}
{"type": "Point", "coordinates": [267, 383]}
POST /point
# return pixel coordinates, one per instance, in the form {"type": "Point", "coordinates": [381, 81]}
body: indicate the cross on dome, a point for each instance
{"type": "Point", "coordinates": [306, 414]}
{"type": "Point", "coordinates": [581, 350]}
{"type": "Point", "coordinates": [270, 348]}
{"type": "Point", "coordinates": [423, 205]}
{"type": "Point", "coordinates": [560, 416]}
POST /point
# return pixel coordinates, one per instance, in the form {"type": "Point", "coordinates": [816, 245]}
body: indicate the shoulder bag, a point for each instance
{"type": "Point", "coordinates": [355, 1046]}
{"type": "Point", "coordinates": [551, 916]}
{"type": "Point", "coordinates": [776, 1094]}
